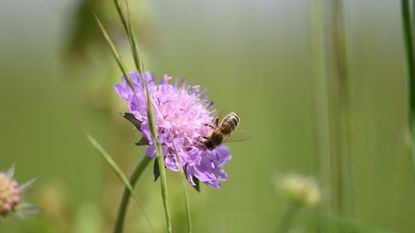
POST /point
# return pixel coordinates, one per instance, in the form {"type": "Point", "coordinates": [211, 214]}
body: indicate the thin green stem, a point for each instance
{"type": "Point", "coordinates": [187, 203]}
{"type": "Point", "coordinates": [410, 57]}
{"type": "Point", "coordinates": [183, 175]}
{"type": "Point", "coordinates": [287, 218]}
{"type": "Point", "coordinates": [117, 170]}
{"type": "Point", "coordinates": [341, 181]}
{"type": "Point", "coordinates": [126, 21]}
{"type": "Point", "coordinates": [321, 98]}
{"type": "Point", "coordinates": [160, 157]}
{"type": "Point", "coordinates": [122, 209]}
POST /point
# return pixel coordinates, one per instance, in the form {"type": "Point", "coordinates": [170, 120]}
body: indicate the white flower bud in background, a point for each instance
{"type": "Point", "coordinates": [300, 190]}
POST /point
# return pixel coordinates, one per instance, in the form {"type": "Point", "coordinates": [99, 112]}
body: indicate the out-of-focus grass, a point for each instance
{"type": "Point", "coordinates": [255, 59]}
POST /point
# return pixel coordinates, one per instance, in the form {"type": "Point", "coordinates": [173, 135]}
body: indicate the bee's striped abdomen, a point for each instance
{"type": "Point", "coordinates": [229, 123]}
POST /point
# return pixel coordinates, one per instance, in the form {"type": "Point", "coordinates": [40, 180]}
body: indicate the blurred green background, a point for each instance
{"type": "Point", "coordinates": [257, 58]}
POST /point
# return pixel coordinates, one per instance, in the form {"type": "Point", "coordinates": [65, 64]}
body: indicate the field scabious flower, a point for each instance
{"type": "Point", "coordinates": [183, 114]}
{"type": "Point", "coordinates": [10, 196]}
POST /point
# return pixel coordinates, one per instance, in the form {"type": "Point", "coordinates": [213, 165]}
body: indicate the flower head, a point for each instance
{"type": "Point", "coordinates": [183, 114]}
{"type": "Point", "coordinates": [10, 196]}
{"type": "Point", "coordinates": [300, 190]}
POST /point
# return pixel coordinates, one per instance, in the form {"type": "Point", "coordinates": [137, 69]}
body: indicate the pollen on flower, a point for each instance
{"type": "Point", "coordinates": [183, 114]}
{"type": "Point", "coordinates": [9, 194]}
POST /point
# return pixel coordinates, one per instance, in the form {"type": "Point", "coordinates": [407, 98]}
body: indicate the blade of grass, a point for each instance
{"type": "Point", "coordinates": [116, 169]}
{"type": "Point", "coordinates": [183, 175]}
{"type": "Point", "coordinates": [122, 210]}
{"type": "Point", "coordinates": [342, 182]}
{"type": "Point", "coordinates": [410, 57]}
{"type": "Point", "coordinates": [187, 203]}
{"type": "Point", "coordinates": [321, 102]}
{"type": "Point", "coordinates": [287, 219]}
{"type": "Point", "coordinates": [125, 17]}
{"type": "Point", "coordinates": [160, 157]}
{"type": "Point", "coordinates": [335, 80]}
{"type": "Point", "coordinates": [114, 51]}
{"type": "Point", "coordinates": [150, 113]}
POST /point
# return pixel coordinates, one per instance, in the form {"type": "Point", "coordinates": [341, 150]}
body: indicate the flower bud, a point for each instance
{"type": "Point", "coordinates": [300, 190]}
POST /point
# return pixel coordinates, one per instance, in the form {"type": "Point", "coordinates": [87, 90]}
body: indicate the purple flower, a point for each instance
{"type": "Point", "coordinates": [183, 114]}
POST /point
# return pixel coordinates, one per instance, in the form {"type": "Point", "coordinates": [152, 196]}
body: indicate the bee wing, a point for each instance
{"type": "Point", "coordinates": [238, 136]}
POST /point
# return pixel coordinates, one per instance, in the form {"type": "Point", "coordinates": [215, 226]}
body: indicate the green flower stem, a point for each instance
{"type": "Point", "coordinates": [160, 157]}
{"type": "Point", "coordinates": [342, 193]}
{"type": "Point", "coordinates": [122, 209]}
{"type": "Point", "coordinates": [287, 218]}
{"type": "Point", "coordinates": [321, 97]}
{"type": "Point", "coordinates": [187, 203]}
{"type": "Point", "coordinates": [164, 193]}
{"type": "Point", "coordinates": [126, 21]}
{"type": "Point", "coordinates": [410, 56]}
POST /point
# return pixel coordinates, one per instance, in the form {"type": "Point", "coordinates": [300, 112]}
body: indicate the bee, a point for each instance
{"type": "Point", "coordinates": [222, 130]}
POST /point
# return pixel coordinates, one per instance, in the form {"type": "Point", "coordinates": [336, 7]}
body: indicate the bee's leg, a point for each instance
{"type": "Point", "coordinates": [216, 123]}
{"type": "Point", "coordinates": [211, 126]}
{"type": "Point", "coordinates": [217, 156]}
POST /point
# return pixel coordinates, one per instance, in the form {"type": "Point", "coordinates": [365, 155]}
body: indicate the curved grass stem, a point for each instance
{"type": "Point", "coordinates": [122, 209]}
{"type": "Point", "coordinates": [410, 57]}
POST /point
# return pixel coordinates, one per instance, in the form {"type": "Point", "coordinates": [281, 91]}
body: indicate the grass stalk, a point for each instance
{"type": "Point", "coordinates": [160, 157]}
{"type": "Point", "coordinates": [288, 217]}
{"type": "Point", "coordinates": [187, 204]}
{"type": "Point", "coordinates": [407, 28]}
{"type": "Point", "coordinates": [342, 194]}
{"type": "Point", "coordinates": [321, 99]}
{"type": "Point", "coordinates": [114, 51]}
{"type": "Point", "coordinates": [335, 82]}
{"type": "Point", "coordinates": [126, 21]}
{"type": "Point", "coordinates": [140, 67]}
{"type": "Point", "coordinates": [331, 92]}
{"type": "Point", "coordinates": [331, 104]}
{"type": "Point", "coordinates": [116, 169]}
{"type": "Point", "coordinates": [122, 209]}
{"type": "Point", "coordinates": [337, 78]}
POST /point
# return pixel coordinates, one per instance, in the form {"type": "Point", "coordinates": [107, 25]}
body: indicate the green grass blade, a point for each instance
{"type": "Point", "coordinates": [108, 159]}
{"type": "Point", "coordinates": [150, 115]}
{"type": "Point", "coordinates": [121, 15]}
{"type": "Point", "coordinates": [160, 157]}
{"type": "Point", "coordinates": [126, 20]}
{"type": "Point", "coordinates": [187, 203]}
{"type": "Point", "coordinates": [322, 137]}
{"type": "Point", "coordinates": [122, 210]}
{"type": "Point", "coordinates": [410, 57]}
{"type": "Point", "coordinates": [133, 42]}
{"type": "Point", "coordinates": [116, 169]}
{"type": "Point", "coordinates": [114, 51]}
